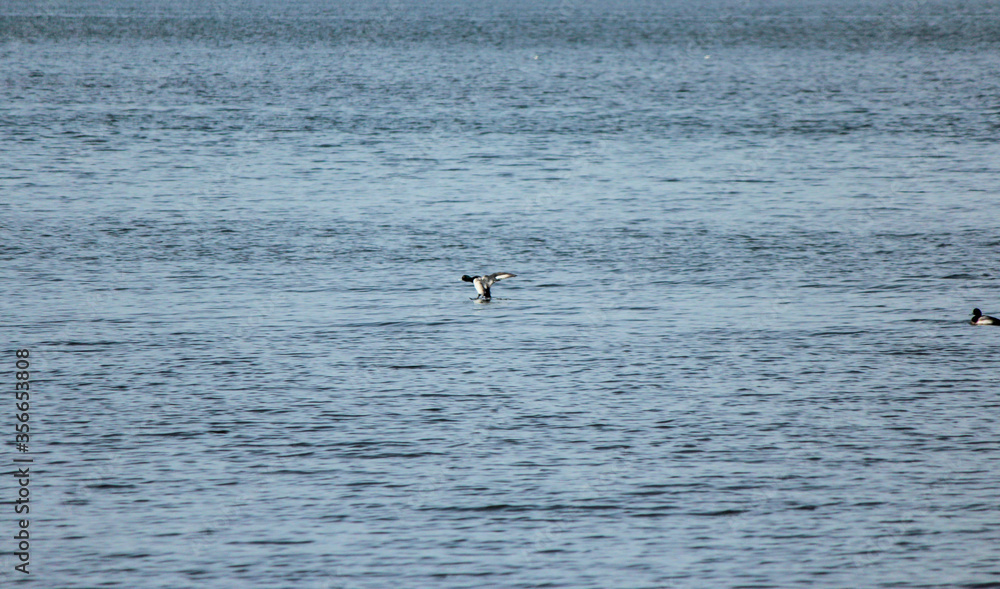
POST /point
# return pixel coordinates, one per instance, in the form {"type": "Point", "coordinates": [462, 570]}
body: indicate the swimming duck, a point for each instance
{"type": "Point", "coordinates": [979, 319]}
{"type": "Point", "coordinates": [483, 283]}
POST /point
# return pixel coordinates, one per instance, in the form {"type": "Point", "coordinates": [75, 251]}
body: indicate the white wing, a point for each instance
{"type": "Point", "coordinates": [501, 276]}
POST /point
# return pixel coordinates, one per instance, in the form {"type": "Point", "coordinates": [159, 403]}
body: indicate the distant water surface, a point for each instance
{"type": "Point", "coordinates": [747, 237]}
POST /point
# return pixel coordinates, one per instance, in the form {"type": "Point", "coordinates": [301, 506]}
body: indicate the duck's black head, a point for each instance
{"type": "Point", "coordinates": [976, 313]}
{"type": "Point", "coordinates": [467, 278]}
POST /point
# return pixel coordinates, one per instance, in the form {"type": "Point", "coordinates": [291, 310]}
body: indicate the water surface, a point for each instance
{"type": "Point", "coordinates": [748, 237]}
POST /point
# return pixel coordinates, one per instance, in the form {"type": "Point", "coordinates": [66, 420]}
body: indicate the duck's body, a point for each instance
{"type": "Point", "coordinates": [483, 283]}
{"type": "Point", "coordinates": [979, 319]}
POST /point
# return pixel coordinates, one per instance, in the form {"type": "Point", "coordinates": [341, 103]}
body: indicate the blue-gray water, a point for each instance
{"type": "Point", "coordinates": [747, 237]}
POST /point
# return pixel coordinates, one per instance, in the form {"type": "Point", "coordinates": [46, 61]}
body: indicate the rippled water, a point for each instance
{"type": "Point", "coordinates": [747, 238]}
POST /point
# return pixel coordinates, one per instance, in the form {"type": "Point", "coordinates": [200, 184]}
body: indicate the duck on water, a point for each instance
{"type": "Point", "coordinates": [979, 319]}
{"type": "Point", "coordinates": [483, 283]}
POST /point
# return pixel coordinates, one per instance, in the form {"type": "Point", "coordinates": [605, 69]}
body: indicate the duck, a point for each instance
{"type": "Point", "coordinates": [979, 319]}
{"type": "Point", "coordinates": [483, 283]}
